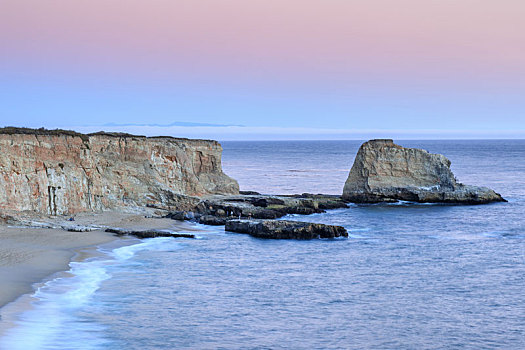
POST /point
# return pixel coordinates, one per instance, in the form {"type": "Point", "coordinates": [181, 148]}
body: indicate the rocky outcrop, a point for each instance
{"type": "Point", "coordinates": [216, 210]}
{"type": "Point", "coordinates": [384, 171]}
{"type": "Point", "coordinates": [63, 172]}
{"type": "Point", "coordinates": [148, 233]}
{"type": "Point", "coordinates": [281, 229]}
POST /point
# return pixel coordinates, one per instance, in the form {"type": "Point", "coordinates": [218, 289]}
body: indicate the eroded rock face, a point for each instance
{"type": "Point", "coordinates": [58, 173]}
{"type": "Point", "coordinates": [384, 171]}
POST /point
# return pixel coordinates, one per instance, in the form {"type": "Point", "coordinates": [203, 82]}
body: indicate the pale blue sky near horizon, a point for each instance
{"type": "Point", "coordinates": [252, 112]}
{"type": "Point", "coordinates": [266, 70]}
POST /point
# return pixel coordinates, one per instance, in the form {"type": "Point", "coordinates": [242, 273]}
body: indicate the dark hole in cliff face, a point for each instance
{"type": "Point", "coordinates": [61, 165]}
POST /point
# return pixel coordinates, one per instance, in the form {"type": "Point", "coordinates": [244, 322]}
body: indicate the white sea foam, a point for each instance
{"type": "Point", "coordinates": [353, 235]}
{"type": "Point", "coordinates": [364, 229]}
{"type": "Point", "coordinates": [55, 320]}
{"type": "Point", "coordinates": [52, 316]}
{"type": "Point", "coordinates": [400, 203]}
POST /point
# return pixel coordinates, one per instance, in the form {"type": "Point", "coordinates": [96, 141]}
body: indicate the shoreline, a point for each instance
{"type": "Point", "coordinates": [11, 312]}
{"type": "Point", "coordinates": [31, 256]}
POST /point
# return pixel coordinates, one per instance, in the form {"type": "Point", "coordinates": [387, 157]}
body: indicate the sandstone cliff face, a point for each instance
{"type": "Point", "coordinates": [384, 171]}
{"type": "Point", "coordinates": [56, 173]}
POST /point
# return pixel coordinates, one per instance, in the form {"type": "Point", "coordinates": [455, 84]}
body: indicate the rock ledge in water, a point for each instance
{"type": "Point", "coordinates": [384, 171]}
{"type": "Point", "coordinates": [282, 229]}
{"type": "Point", "coordinates": [216, 210]}
{"type": "Point", "coordinates": [148, 233]}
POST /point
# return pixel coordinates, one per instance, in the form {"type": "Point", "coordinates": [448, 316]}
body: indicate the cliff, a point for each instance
{"type": "Point", "coordinates": [384, 171]}
{"type": "Point", "coordinates": [63, 172]}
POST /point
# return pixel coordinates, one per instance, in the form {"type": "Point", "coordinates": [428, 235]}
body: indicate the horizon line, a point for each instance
{"type": "Point", "coordinates": [251, 133]}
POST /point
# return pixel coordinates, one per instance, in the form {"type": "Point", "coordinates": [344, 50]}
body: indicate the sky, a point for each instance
{"type": "Point", "coordinates": [266, 69]}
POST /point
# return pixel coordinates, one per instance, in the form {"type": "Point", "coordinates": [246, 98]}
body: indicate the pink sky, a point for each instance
{"type": "Point", "coordinates": [454, 46]}
{"type": "Point", "coordinates": [463, 37]}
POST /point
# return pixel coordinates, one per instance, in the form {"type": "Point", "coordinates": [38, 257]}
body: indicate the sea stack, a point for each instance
{"type": "Point", "coordinates": [385, 172]}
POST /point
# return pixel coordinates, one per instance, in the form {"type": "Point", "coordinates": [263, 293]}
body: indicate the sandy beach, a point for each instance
{"type": "Point", "coordinates": [29, 255]}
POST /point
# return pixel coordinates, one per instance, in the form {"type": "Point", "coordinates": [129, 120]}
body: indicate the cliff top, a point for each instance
{"type": "Point", "coordinates": [10, 130]}
{"type": "Point", "coordinates": [379, 142]}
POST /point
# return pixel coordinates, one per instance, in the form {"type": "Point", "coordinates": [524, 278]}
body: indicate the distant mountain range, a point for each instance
{"type": "Point", "coordinates": [187, 124]}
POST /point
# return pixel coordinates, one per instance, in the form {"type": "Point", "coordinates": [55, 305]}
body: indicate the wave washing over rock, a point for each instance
{"type": "Point", "coordinates": [59, 172]}
{"type": "Point", "coordinates": [384, 171]}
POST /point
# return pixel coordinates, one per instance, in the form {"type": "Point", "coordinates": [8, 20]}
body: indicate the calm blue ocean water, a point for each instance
{"type": "Point", "coordinates": [409, 277]}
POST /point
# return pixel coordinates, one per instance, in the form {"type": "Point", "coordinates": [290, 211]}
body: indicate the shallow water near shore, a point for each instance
{"type": "Point", "coordinates": [410, 276]}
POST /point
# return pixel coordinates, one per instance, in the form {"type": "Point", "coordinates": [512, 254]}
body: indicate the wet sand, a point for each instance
{"type": "Point", "coordinates": [29, 255]}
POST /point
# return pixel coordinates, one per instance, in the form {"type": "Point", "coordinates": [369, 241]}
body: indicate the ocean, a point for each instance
{"type": "Point", "coordinates": [410, 276]}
